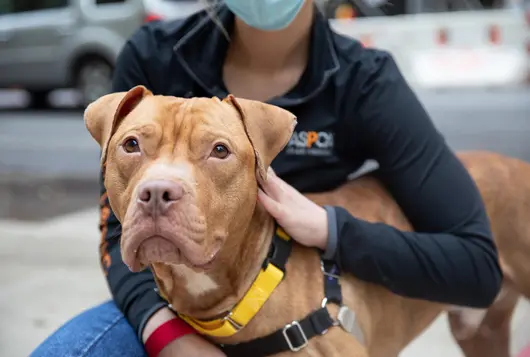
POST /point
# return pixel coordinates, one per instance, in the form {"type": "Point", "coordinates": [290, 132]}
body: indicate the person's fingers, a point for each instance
{"type": "Point", "coordinates": [273, 187]}
{"type": "Point", "coordinates": [273, 207]}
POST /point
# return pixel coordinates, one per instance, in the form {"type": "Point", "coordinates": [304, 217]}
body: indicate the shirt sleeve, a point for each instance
{"type": "Point", "coordinates": [133, 293]}
{"type": "Point", "coordinates": [451, 258]}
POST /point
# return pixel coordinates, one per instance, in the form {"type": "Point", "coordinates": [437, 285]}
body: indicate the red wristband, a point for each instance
{"type": "Point", "coordinates": [166, 333]}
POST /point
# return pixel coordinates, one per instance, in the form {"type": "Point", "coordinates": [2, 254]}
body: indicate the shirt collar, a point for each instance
{"type": "Point", "coordinates": [200, 52]}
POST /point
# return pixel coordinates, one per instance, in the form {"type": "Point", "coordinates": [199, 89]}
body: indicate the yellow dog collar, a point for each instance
{"type": "Point", "coordinates": [269, 277]}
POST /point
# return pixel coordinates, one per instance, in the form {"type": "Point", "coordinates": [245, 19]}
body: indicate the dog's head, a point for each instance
{"type": "Point", "coordinates": [182, 174]}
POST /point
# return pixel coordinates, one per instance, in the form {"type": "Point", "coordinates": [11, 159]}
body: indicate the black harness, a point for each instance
{"type": "Point", "coordinates": [295, 335]}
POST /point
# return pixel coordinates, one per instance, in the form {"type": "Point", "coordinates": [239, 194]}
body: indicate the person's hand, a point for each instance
{"type": "Point", "coordinates": [185, 346]}
{"type": "Point", "coordinates": [301, 218]}
{"type": "Point", "coordinates": [191, 346]}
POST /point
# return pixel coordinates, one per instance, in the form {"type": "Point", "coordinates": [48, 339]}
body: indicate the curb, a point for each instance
{"type": "Point", "coordinates": [79, 225]}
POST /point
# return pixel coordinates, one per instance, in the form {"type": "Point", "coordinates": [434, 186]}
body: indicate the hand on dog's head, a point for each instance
{"type": "Point", "coordinates": [182, 174]}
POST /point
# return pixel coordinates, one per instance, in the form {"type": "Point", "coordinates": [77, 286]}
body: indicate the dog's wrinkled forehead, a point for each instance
{"type": "Point", "coordinates": [201, 121]}
{"type": "Point", "coordinates": [185, 119]}
{"type": "Point", "coordinates": [238, 121]}
{"type": "Point", "coordinates": [207, 115]}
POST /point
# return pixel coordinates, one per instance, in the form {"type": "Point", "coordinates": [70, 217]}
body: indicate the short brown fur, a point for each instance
{"type": "Point", "coordinates": [221, 201]}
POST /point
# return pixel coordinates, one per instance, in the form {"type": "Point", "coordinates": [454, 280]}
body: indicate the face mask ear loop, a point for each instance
{"type": "Point", "coordinates": [212, 8]}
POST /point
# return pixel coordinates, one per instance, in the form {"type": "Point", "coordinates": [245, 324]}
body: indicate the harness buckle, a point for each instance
{"type": "Point", "coordinates": [327, 273]}
{"type": "Point", "coordinates": [294, 325]}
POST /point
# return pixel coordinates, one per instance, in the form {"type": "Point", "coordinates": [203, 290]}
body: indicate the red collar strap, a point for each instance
{"type": "Point", "coordinates": [166, 333]}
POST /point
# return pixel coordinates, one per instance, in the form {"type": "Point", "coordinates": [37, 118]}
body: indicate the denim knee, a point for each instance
{"type": "Point", "coordinates": [101, 331]}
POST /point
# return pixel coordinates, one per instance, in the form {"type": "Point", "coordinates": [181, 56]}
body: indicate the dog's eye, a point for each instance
{"type": "Point", "coordinates": [220, 151]}
{"type": "Point", "coordinates": [131, 146]}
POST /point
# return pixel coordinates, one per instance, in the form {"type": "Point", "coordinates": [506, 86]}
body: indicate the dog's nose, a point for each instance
{"type": "Point", "coordinates": [158, 196]}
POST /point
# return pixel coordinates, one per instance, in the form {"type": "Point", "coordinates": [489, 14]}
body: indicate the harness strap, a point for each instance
{"type": "Point", "coordinates": [296, 335]}
{"type": "Point", "coordinates": [292, 337]}
{"type": "Point", "coordinates": [279, 250]}
{"type": "Point", "coordinates": [332, 289]}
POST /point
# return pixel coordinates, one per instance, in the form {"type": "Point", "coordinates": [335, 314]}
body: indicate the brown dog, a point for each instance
{"type": "Point", "coordinates": [182, 177]}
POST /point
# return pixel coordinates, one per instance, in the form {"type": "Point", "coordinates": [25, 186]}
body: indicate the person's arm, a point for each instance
{"type": "Point", "coordinates": [452, 257]}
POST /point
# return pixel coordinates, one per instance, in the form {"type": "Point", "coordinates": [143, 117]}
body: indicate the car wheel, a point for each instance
{"type": "Point", "coordinates": [40, 99]}
{"type": "Point", "coordinates": [93, 80]}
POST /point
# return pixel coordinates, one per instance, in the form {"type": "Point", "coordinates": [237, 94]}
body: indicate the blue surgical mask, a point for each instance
{"type": "Point", "coordinates": [267, 15]}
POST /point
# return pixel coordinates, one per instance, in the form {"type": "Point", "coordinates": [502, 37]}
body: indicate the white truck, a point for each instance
{"type": "Point", "coordinates": [444, 43]}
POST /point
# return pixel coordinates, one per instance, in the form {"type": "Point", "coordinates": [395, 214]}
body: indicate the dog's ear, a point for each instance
{"type": "Point", "coordinates": [103, 116]}
{"type": "Point", "coordinates": [269, 129]}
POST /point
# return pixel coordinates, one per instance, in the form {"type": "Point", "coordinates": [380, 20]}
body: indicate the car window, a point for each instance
{"type": "Point", "coordinates": [17, 6]}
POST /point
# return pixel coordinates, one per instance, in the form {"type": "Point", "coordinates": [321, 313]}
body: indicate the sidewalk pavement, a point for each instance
{"type": "Point", "coordinates": [48, 274]}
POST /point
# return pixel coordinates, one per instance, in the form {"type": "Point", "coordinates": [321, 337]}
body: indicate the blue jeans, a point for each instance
{"type": "Point", "coordinates": [101, 331]}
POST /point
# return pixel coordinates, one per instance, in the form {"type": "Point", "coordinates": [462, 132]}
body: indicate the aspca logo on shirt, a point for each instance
{"type": "Point", "coordinates": [314, 143]}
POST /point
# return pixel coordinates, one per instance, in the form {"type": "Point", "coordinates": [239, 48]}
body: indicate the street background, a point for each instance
{"type": "Point", "coordinates": [469, 69]}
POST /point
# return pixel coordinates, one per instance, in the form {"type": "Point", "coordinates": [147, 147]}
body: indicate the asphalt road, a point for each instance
{"type": "Point", "coordinates": [49, 162]}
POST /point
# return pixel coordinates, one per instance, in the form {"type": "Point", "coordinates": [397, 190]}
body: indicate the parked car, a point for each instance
{"type": "Point", "coordinates": [51, 44]}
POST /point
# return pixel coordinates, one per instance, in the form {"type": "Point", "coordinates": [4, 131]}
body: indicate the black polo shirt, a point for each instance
{"type": "Point", "coordinates": [352, 104]}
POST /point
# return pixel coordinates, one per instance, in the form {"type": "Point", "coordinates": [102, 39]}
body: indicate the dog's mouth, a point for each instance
{"type": "Point", "coordinates": [158, 249]}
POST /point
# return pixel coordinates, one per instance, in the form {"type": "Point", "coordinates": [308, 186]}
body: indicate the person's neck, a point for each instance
{"type": "Point", "coordinates": [272, 50]}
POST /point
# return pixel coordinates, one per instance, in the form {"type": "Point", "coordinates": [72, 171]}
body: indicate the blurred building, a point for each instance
{"type": "Point", "coordinates": [369, 8]}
